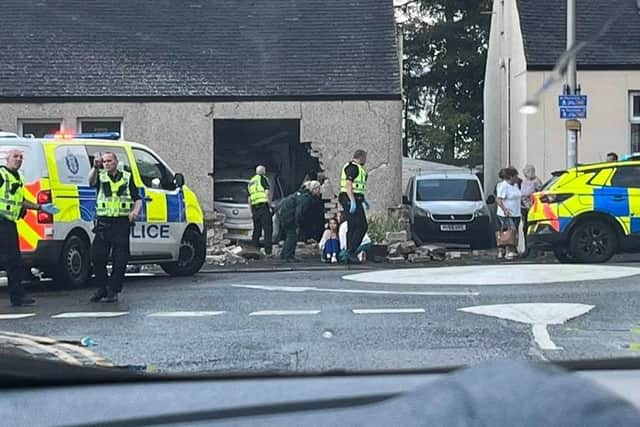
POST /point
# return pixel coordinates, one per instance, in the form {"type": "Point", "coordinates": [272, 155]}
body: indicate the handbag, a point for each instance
{"type": "Point", "coordinates": [506, 236]}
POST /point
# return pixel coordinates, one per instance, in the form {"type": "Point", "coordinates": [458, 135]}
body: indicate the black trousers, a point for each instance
{"type": "Point", "coordinates": [262, 221]}
{"type": "Point", "coordinates": [289, 231]}
{"type": "Point", "coordinates": [357, 222]}
{"type": "Point", "coordinates": [111, 241]}
{"type": "Point", "coordinates": [11, 259]}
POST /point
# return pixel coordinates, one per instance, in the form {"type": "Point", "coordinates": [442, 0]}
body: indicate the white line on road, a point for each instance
{"type": "Point", "coordinates": [283, 312]}
{"type": "Point", "coordinates": [16, 316]}
{"type": "Point", "coordinates": [353, 291]}
{"type": "Point", "coordinates": [538, 315]}
{"type": "Point", "coordinates": [387, 310]}
{"type": "Point", "coordinates": [186, 313]}
{"type": "Point", "coordinates": [88, 314]}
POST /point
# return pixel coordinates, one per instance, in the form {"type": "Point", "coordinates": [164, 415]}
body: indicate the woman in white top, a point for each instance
{"type": "Point", "coordinates": [508, 197]}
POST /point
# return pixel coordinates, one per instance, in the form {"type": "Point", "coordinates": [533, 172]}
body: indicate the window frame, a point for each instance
{"type": "Point", "coordinates": [22, 122]}
{"type": "Point", "coordinates": [171, 174]}
{"type": "Point", "coordinates": [634, 121]}
{"type": "Point", "coordinates": [120, 120]}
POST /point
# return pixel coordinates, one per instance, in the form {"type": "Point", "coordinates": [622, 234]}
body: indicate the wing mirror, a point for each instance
{"type": "Point", "coordinates": [178, 180]}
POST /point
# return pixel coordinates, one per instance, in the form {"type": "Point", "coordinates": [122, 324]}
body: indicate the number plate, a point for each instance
{"type": "Point", "coordinates": [453, 227]}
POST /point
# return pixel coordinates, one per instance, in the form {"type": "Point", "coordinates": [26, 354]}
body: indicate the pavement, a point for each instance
{"type": "Point", "coordinates": [320, 320]}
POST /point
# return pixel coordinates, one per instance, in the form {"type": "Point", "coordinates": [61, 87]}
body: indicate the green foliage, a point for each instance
{"type": "Point", "coordinates": [445, 46]}
{"type": "Point", "coordinates": [380, 225]}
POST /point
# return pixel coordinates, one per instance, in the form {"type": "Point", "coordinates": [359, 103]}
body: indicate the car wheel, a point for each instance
{"type": "Point", "coordinates": [75, 264]}
{"type": "Point", "coordinates": [593, 242]}
{"type": "Point", "coordinates": [192, 254]}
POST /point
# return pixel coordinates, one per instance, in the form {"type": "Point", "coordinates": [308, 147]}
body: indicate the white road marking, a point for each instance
{"type": "Point", "coordinates": [186, 314]}
{"type": "Point", "coordinates": [387, 310]}
{"type": "Point", "coordinates": [16, 316]}
{"type": "Point", "coordinates": [539, 315]}
{"type": "Point", "coordinates": [503, 274]}
{"type": "Point", "coordinates": [353, 291]}
{"type": "Point", "coordinates": [88, 314]}
{"type": "Point", "coordinates": [283, 312]}
{"type": "Point", "coordinates": [141, 274]}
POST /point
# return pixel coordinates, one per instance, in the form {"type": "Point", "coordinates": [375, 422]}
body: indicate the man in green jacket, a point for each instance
{"type": "Point", "coordinates": [291, 212]}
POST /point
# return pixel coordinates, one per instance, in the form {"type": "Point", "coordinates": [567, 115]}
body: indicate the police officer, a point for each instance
{"type": "Point", "coordinates": [353, 186]}
{"type": "Point", "coordinates": [260, 202]}
{"type": "Point", "coordinates": [118, 205]}
{"type": "Point", "coordinates": [13, 207]}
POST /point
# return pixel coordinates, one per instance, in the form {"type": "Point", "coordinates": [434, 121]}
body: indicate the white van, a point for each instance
{"type": "Point", "coordinates": [449, 208]}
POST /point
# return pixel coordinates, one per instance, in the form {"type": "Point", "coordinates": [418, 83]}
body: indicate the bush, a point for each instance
{"type": "Point", "coordinates": [379, 226]}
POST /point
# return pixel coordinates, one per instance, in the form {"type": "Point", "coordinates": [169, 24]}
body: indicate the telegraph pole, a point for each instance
{"type": "Point", "coordinates": [572, 126]}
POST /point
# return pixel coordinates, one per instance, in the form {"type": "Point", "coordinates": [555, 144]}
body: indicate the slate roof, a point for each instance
{"type": "Point", "coordinates": [198, 48]}
{"type": "Point", "coordinates": [543, 24]}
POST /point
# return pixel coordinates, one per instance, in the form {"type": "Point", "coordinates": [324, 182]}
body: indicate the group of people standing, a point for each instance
{"type": "Point", "coordinates": [295, 210]}
{"type": "Point", "coordinates": [513, 197]}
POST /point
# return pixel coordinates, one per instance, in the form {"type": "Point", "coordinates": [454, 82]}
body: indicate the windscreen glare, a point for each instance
{"type": "Point", "coordinates": [437, 190]}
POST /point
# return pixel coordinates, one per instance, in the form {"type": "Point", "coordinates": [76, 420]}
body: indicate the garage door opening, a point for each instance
{"type": "Point", "coordinates": [241, 145]}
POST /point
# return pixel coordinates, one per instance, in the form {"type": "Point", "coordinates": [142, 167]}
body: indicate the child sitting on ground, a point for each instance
{"type": "Point", "coordinates": [330, 244]}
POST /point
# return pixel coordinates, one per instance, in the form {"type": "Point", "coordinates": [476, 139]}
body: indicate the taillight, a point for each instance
{"type": "Point", "coordinates": [555, 198]}
{"type": "Point", "coordinates": [42, 198]}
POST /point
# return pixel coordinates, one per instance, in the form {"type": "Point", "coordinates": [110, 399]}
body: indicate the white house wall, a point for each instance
{"type": "Point", "coordinates": [606, 128]}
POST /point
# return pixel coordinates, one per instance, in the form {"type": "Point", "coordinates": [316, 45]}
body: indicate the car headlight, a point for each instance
{"type": "Point", "coordinates": [423, 212]}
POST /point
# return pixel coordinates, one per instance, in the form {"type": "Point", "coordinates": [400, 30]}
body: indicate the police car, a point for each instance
{"type": "Point", "coordinates": [169, 231]}
{"type": "Point", "coordinates": [588, 213]}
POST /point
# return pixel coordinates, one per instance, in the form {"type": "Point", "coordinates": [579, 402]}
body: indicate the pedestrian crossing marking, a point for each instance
{"type": "Point", "coordinates": [186, 313]}
{"type": "Point", "coordinates": [16, 316]}
{"type": "Point", "coordinates": [88, 314]}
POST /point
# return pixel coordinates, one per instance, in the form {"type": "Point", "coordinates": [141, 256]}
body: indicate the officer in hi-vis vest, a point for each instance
{"type": "Point", "coordinates": [260, 202]}
{"type": "Point", "coordinates": [118, 205]}
{"type": "Point", "coordinates": [13, 207]}
{"type": "Point", "coordinates": [353, 187]}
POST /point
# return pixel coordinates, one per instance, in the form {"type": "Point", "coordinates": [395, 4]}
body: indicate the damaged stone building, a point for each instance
{"type": "Point", "coordinates": [214, 87]}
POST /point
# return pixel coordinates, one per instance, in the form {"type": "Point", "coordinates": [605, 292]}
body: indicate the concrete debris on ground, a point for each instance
{"type": "Point", "coordinates": [220, 251]}
{"type": "Point", "coordinates": [396, 237]}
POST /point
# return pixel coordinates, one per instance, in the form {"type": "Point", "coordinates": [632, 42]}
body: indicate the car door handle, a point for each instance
{"type": "Point", "coordinates": [148, 199]}
{"type": "Point", "coordinates": [619, 198]}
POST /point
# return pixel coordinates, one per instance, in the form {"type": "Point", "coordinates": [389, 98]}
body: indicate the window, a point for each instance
{"type": "Point", "coordinates": [151, 168]}
{"type": "Point", "coordinates": [432, 190]}
{"type": "Point", "coordinates": [101, 125]}
{"type": "Point", "coordinates": [628, 176]}
{"type": "Point", "coordinates": [231, 192]}
{"type": "Point", "coordinates": [634, 118]}
{"type": "Point", "coordinates": [39, 128]}
{"type": "Point", "coordinates": [121, 154]}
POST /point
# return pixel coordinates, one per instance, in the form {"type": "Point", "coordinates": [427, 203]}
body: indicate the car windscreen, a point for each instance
{"type": "Point", "coordinates": [231, 192]}
{"type": "Point", "coordinates": [31, 169]}
{"type": "Point", "coordinates": [435, 190]}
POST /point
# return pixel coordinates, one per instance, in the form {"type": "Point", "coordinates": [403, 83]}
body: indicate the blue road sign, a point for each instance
{"type": "Point", "coordinates": [572, 101]}
{"type": "Point", "coordinates": [573, 106]}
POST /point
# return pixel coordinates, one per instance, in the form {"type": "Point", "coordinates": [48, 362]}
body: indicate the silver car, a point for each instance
{"type": "Point", "coordinates": [231, 198]}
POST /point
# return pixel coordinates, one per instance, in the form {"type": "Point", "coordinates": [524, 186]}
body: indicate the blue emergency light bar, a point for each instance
{"type": "Point", "coordinates": [93, 135]}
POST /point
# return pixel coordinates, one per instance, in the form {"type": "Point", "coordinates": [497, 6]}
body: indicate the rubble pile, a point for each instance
{"type": "Point", "coordinates": [400, 249]}
{"type": "Point", "coordinates": [220, 251]}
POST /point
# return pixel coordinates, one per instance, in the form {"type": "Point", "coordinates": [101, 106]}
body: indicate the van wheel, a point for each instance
{"type": "Point", "coordinates": [593, 242]}
{"type": "Point", "coordinates": [192, 254]}
{"type": "Point", "coordinates": [75, 264]}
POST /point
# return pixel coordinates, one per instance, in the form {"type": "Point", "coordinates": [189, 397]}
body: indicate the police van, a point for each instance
{"type": "Point", "coordinates": [168, 232]}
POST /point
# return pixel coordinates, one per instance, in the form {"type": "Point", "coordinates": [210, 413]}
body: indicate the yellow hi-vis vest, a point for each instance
{"type": "Point", "coordinates": [257, 193]}
{"type": "Point", "coordinates": [11, 195]}
{"type": "Point", "coordinates": [114, 198]}
{"type": "Point", "coordinates": [359, 184]}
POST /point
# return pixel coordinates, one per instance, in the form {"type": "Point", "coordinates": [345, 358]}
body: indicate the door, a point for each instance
{"type": "Point", "coordinates": [622, 198]}
{"type": "Point", "coordinates": [158, 232]}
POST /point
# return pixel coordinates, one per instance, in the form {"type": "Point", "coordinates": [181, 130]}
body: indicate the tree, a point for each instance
{"type": "Point", "coordinates": [445, 44]}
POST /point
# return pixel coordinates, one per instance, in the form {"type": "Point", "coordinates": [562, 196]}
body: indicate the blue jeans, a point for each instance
{"type": "Point", "coordinates": [331, 247]}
